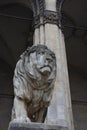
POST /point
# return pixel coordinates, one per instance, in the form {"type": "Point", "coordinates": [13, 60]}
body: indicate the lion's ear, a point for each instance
{"type": "Point", "coordinates": [25, 53]}
{"type": "Point", "coordinates": [28, 49]}
{"type": "Point", "coordinates": [22, 55]}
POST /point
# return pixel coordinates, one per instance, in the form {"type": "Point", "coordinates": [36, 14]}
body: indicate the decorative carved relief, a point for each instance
{"type": "Point", "coordinates": [48, 17]}
{"type": "Point", "coordinates": [33, 82]}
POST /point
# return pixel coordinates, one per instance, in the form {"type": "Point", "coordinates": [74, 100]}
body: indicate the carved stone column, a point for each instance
{"type": "Point", "coordinates": [47, 27]}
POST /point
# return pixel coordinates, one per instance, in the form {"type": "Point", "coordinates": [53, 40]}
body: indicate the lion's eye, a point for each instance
{"type": "Point", "coordinates": [49, 60]}
{"type": "Point", "coordinates": [40, 53]}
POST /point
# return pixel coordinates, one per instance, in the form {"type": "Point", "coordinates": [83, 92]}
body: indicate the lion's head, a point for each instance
{"type": "Point", "coordinates": [40, 63]}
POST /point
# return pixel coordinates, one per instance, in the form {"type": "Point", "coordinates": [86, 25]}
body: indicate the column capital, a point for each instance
{"type": "Point", "coordinates": [43, 15]}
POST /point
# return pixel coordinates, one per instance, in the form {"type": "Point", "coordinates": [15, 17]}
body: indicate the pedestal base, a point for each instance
{"type": "Point", "coordinates": [34, 126]}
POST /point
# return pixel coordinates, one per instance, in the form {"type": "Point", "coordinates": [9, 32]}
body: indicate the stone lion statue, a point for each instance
{"type": "Point", "coordinates": [33, 82]}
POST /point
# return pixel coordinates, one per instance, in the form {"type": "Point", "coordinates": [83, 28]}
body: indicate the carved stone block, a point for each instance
{"type": "Point", "coordinates": [35, 126]}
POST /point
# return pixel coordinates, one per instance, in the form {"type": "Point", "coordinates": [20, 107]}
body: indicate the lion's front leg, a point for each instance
{"type": "Point", "coordinates": [42, 114]}
{"type": "Point", "coordinates": [20, 110]}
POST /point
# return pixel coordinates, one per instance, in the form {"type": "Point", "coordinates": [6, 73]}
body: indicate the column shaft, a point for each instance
{"type": "Point", "coordinates": [60, 110]}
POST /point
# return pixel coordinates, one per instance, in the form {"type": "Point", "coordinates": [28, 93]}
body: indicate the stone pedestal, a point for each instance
{"type": "Point", "coordinates": [34, 126]}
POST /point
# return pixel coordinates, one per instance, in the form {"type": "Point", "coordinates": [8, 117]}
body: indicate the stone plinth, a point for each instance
{"type": "Point", "coordinates": [34, 126]}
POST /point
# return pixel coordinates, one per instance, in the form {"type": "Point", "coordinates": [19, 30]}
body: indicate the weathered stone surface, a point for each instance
{"type": "Point", "coordinates": [34, 126]}
{"type": "Point", "coordinates": [33, 81]}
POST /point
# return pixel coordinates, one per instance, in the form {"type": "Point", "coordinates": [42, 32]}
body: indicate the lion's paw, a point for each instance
{"type": "Point", "coordinates": [22, 120]}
